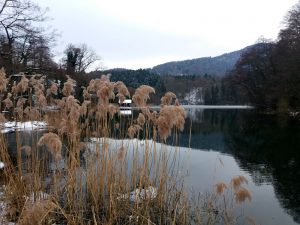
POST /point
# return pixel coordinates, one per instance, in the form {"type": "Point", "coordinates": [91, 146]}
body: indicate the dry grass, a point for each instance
{"type": "Point", "coordinates": [88, 168]}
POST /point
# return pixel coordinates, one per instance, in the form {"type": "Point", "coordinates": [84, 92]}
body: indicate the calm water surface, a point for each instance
{"type": "Point", "coordinates": [265, 149]}
{"type": "Point", "coordinates": [229, 142]}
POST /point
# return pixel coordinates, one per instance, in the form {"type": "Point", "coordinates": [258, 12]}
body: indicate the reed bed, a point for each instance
{"type": "Point", "coordinates": [91, 165]}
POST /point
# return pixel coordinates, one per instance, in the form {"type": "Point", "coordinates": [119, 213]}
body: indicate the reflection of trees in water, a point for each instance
{"type": "Point", "coordinates": [196, 115]}
{"type": "Point", "coordinates": [267, 148]}
{"type": "Point", "coordinates": [15, 140]}
{"type": "Point", "coordinates": [207, 128]}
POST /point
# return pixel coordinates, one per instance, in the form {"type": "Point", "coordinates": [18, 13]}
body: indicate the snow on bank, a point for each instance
{"type": "Point", "coordinates": [13, 126]}
{"type": "Point", "coordinates": [139, 195]}
{"type": "Point", "coordinates": [217, 106]}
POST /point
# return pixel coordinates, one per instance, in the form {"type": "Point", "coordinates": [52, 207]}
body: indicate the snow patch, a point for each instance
{"type": "Point", "coordinates": [13, 126]}
{"type": "Point", "coordinates": [139, 195]}
{"type": "Point", "coordinates": [195, 96]}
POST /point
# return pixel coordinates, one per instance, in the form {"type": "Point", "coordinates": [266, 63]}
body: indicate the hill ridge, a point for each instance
{"type": "Point", "coordinates": [217, 65]}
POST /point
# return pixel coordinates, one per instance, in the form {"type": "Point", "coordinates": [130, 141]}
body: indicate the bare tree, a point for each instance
{"type": "Point", "coordinates": [79, 58]}
{"type": "Point", "coordinates": [86, 58]}
{"type": "Point", "coordinates": [18, 24]}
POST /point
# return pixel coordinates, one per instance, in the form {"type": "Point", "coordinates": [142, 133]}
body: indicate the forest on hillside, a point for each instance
{"type": "Point", "coordinates": [266, 75]}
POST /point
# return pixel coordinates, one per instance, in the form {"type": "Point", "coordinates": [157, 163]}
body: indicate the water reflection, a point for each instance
{"type": "Point", "coordinates": [265, 146]}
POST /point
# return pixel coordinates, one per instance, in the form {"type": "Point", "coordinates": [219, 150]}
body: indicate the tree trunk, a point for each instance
{"type": "Point", "coordinates": [7, 56]}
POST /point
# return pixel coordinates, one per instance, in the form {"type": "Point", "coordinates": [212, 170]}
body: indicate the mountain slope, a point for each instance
{"type": "Point", "coordinates": [218, 65]}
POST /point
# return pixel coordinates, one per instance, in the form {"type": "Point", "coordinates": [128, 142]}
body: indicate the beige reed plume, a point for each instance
{"type": "Point", "coordinates": [53, 143]}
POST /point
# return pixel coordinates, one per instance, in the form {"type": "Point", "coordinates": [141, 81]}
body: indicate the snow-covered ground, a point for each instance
{"type": "Point", "coordinates": [195, 96]}
{"type": "Point", "coordinates": [12, 126]}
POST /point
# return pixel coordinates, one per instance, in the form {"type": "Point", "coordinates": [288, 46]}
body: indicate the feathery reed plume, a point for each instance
{"type": "Point", "coordinates": [101, 111]}
{"type": "Point", "coordinates": [122, 89]}
{"type": "Point", "coordinates": [164, 127]}
{"type": "Point", "coordinates": [22, 86]}
{"type": "Point", "coordinates": [146, 111]}
{"type": "Point", "coordinates": [132, 130]}
{"type": "Point", "coordinates": [68, 86]}
{"type": "Point", "coordinates": [86, 95]}
{"type": "Point", "coordinates": [84, 107]}
{"type": "Point", "coordinates": [72, 108]}
{"type": "Point", "coordinates": [71, 102]}
{"type": "Point", "coordinates": [52, 90]}
{"type": "Point", "coordinates": [21, 102]}
{"type": "Point", "coordinates": [3, 80]}
{"type": "Point", "coordinates": [41, 100]}
{"type": "Point", "coordinates": [105, 77]}
{"type": "Point", "coordinates": [237, 181]}
{"type": "Point", "coordinates": [170, 116]}
{"type": "Point", "coordinates": [121, 97]}
{"type": "Point", "coordinates": [61, 103]}
{"type": "Point", "coordinates": [142, 94]}
{"type": "Point", "coordinates": [19, 108]}
{"type": "Point", "coordinates": [180, 117]}
{"type": "Point", "coordinates": [167, 98]}
{"type": "Point", "coordinates": [242, 194]}
{"type": "Point", "coordinates": [8, 102]}
{"type": "Point", "coordinates": [105, 92]}
{"type": "Point", "coordinates": [220, 187]}
{"type": "Point", "coordinates": [53, 143]}
{"type": "Point", "coordinates": [91, 86]}
{"type": "Point", "coordinates": [103, 88]}
{"type": "Point", "coordinates": [153, 117]}
{"type": "Point", "coordinates": [38, 83]}
{"type": "Point", "coordinates": [141, 119]}
{"type": "Point", "coordinates": [112, 109]}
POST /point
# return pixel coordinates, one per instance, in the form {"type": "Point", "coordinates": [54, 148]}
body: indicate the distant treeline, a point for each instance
{"type": "Point", "coordinates": [269, 74]}
{"type": "Point", "coordinates": [266, 75]}
{"type": "Point", "coordinates": [135, 78]}
{"type": "Point", "coordinates": [213, 90]}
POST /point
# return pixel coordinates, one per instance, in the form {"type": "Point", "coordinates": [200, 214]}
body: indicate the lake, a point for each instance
{"type": "Point", "coordinates": [263, 148]}
{"type": "Point", "coordinates": [219, 143]}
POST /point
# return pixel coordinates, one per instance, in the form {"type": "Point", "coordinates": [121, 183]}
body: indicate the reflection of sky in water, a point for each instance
{"type": "Point", "coordinates": [205, 170]}
{"type": "Point", "coordinates": [263, 149]}
{"type": "Point", "coordinates": [202, 169]}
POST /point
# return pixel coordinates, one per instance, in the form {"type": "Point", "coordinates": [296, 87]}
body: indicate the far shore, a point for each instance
{"type": "Point", "coordinates": [207, 107]}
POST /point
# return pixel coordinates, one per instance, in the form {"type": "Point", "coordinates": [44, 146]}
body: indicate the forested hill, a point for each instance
{"type": "Point", "coordinates": [217, 66]}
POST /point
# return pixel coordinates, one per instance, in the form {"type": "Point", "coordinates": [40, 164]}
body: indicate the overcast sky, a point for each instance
{"type": "Point", "coordinates": [143, 33]}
